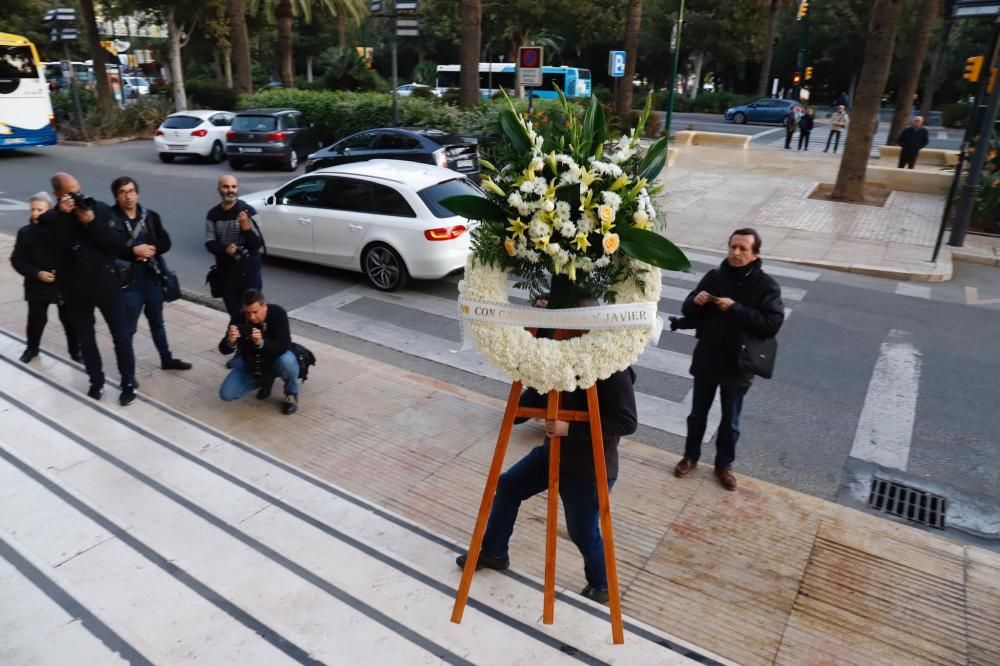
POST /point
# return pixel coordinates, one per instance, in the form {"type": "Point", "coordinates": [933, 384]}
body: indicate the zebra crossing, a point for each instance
{"type": "Point", "coordinates": [426, 325]}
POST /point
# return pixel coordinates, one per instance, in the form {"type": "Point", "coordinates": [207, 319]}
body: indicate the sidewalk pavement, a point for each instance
{"type": "Point", "coordinates": [760, 576]}
{"type": "Point", "coordinates": [712, 190]}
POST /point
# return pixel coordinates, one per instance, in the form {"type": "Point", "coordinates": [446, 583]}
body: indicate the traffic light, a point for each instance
{"type": "Point", "coordinates": [993, 80]}
{"type": "Point", "coordinates": [796, 79]}
{"type": "Point", "coordinates": [809, 73]}
{"type": "Point", "coordinates": [803, 9]}
{"type": "Point", "coordinates": [973, 68]}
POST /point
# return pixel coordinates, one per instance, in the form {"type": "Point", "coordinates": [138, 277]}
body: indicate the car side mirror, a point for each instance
{"type": "Point", "coordinates": [345, 149]}
{"type": "Point", "coordinates": [270, 200]}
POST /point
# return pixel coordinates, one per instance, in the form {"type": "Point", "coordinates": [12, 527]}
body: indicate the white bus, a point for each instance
{"type": "Point", "coordinates": [26, 117]}
{"type": "Point", "coordinates": [573, 81]}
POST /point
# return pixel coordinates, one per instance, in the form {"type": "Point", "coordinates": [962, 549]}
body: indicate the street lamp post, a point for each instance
{"type": "Point", "coordinates": [673, 71]}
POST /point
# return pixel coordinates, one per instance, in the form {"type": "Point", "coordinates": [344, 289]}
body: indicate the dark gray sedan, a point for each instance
{"type": "Point", "coordinates": [428, 146]}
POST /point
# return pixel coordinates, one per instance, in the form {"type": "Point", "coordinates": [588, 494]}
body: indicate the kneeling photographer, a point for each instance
{"type": "Point", "coordinates": [262, 340]}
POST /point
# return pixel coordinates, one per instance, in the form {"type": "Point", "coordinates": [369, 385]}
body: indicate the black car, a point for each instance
{"type": "Point", "coordinates": [269, 135]}
{"type": "Point", "coordinates": [429, 146]}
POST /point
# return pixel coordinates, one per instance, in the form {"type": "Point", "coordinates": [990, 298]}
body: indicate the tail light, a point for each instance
{"type": "Point", "coordinates": [158, 132]}
{"type": "Point", "coordinates": [200, 132]}
{"type": "Point", "coordinates": [230, 135]}
{"type": "Point", "coordinates": [276, 136]}
{"type": "Point", "coordinates": [440, 158]}
{"type": "Point", "coordinates": [444, 233]}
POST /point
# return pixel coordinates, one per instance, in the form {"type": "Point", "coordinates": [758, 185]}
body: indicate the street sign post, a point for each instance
{"type": "Point", "coordinates": [63, 22]}
{"type": "Point", "coordinates": [529, 66]}
{"type": "Point", "coordinates": [616, 63]}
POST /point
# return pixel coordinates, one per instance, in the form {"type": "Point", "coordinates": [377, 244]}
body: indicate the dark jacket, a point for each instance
{"type": "Point", "coordinates": [806, 123]}
{"type": "Point", "coordinates": [912, 139]}
{"type": "Point", "coordinates": [616, 399]}
{"type": "Point", "coordinates": [154, 234]}
{"type": "Point", "coordinates": [85, 254]}
{"type": "Point", "coordinates": [757, 310]}
{"type": "Point", "coordinates": [277, 336]}
{"type": "Point", "coordinates": [33, 254]}
{"type": "Point", "coordinates": [240, 269]}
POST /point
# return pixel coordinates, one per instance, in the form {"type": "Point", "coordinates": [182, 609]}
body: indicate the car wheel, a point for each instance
{"type": "Point", "coordinates": [292, 161]}
{"type": "Point", "coordinates": [384, 268]}
{"type": "Point", "coordinates": [740, 118]}
{"type": "Point", "coordinates": [166, 159]}
{"type": "Point", "coordinates": [236, 165]}
{"type": "Point", "coordinates": [218, 153]}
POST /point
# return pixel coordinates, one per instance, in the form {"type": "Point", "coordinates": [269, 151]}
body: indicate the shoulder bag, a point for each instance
{"type": "Point", "coordinates": [754, 354]}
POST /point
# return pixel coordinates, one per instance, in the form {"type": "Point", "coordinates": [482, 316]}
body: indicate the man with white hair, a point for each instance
{"type": "Point", "coordinates": [911, 141]}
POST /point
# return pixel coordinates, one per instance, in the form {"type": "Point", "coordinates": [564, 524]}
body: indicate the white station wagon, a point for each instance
{"type": "Point", "coordinates": [383, 218]}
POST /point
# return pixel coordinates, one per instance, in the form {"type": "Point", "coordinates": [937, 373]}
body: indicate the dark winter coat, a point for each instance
{"type": "Point", "coordinates": [757, 310]}
{"type": "Point", "coordinates": [33, 254]}
{"type": "Point", "coordinates": [154, 235]}
{"type": "Point", "coordinates": [86, 271]}
{"type": "Point", "coordinates": [912, 140]}
{"type": "Point", "coordinates": [806, 123]}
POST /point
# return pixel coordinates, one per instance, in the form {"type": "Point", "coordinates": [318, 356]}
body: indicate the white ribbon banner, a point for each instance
{"type": "Point", "coordinates": [618, 315]}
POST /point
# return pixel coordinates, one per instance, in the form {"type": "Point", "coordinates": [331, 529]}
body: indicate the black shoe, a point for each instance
{"type": "Point", "coordinates": [264, 392]}
{"type": "Point", "coordinates": [485, 562]}
{"type": "Point", "coordinates": [594, 594]}
{"type": "Point", "coordinates": [95, 392]}
{"type": "Point", "coordinates": [291, 404]}
{"type": "Point", "coordinates": [28, 355]}
{"type": "Point", "coordinates": [127, 396]}
{"type": "Point", "coordinates": [175, 364]}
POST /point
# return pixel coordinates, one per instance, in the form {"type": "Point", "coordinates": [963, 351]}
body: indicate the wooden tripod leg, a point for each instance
{"type": "Point", "coordinates": [487, 503]}
{"type": "Point", "coordinates": [552, 515]}
{"type": "Point", "coordinates": [604, 503]}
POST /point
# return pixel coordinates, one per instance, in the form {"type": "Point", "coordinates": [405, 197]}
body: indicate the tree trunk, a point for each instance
{"type": "Point", "coordinates": [236, 9]}
{"type": "Point", "coordinates": [867, 100]}
{"type": "Point", "coordinates": [919, 41]}
{"type": "Point", "coordinates": [227, 65]}
{"type": "Point", "coordinates": [105, 100]}
{"type": "Point", "coordinates": [342, 30]}
{"type": "Point", "coordinates": [763, 86]}
{"type": "Point", "coordinates": [176, 64]}
{"type": "Point", "coordinates": [633, 21]}
{"type": "Point", "coordinates": [933, 79]}
{"type": "Point", "coordinates": [470, 12]}
{"type": "Point", "coordinates": [283, 12]}
{"type": "Point", "coordinates": [699, 63]}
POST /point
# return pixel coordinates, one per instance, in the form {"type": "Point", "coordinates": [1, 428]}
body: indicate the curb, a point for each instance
{"type": "Point", "coordinates": [973, 258]}
{"type": "Point", "coordinates": [103, 142]}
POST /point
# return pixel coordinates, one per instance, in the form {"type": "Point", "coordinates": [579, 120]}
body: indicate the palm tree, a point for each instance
{"type": "Point", "coordinates": [774, 8]}
{"type": "Point", "coordinates": [850, 184]}
{"type": "Point", "coordinates": [471, 15]}
{"type": "Point", "coordinates": [240, 41]}
{"type": "Point", "coordinates": [933, 79]}
{"type": "Point", "coordinates": [919, 41]}
{"type": "Point", "coordinates": [100, 57]}
{"type": "Point", "coordinates": [633, 21]}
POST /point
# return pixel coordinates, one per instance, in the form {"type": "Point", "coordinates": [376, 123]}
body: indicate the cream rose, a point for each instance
{"type": "Point", "coordinates": [508, 244]}
{"type": "Point", "coordinates": [610, 243]}
{"type": "Point", "coordinates": [606, 213]}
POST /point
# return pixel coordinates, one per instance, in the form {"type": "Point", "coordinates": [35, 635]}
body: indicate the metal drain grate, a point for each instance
{"type": "Point", "coordinates": [909, 503]}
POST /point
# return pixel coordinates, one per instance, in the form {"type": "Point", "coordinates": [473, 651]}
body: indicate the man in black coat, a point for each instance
{"type": "Point", "coordinates": [234, 242]}
{"type": "Point", "coordinates": [148, 242]}
{"type": "Point", "coordinates": [87, 240]}
{"type": "Point", "coordinates": [737, 297]}
{"type": "Point", "coordinates": [911, 141]}
{"type": "Point", "coordinates": [577, 480]}
{"type": "Point", "coordinates": [33, 257]}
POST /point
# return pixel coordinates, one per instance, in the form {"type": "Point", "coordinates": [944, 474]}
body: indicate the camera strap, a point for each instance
{"type": "Point", "coordinates": [133, 233]}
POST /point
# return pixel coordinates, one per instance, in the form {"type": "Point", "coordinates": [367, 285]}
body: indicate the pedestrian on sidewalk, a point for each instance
{"type": "Point", "coordinates": [262, 339]}
{"type": "Point", "coordinates": [35, 259]}
{"type": "Point", "coordinates": [88, 240]}
{"type": "Point", "coordinates": [232, 237]}
{"type": "Point", "coordinates": [142, 266]}
{"type": "Point", "coordinates": [806, 124]}
{"type": "Point", "coordinates": [911, 141]}
{"type": "Point", "coordinates": [791, 122]}
{"type": "Point", "coordinates": [577, 480]}
{"type": "Point", "coordinates": [838, 123]}
{"type": "Point", "coordinates": [735, 299]}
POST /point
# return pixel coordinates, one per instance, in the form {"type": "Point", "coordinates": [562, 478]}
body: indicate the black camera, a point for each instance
{"type": "Point", "coordinates": [82, 201]}
{"type": "Point", "coordinates": [241, 253]}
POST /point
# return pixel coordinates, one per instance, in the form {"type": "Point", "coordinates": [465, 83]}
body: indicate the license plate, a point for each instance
{"type": "Point", "coordinates": [464, 164]}
{"type": "Point", "coordinates": [251, 150]}
{"type": "Point", "coordinates": [18, 139]}
{"type": "Point", "coordinates": [176, 147]}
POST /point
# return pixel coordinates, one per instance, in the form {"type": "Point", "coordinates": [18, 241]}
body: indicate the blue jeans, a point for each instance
{"type": "Point", "coordinates": [530, 476]}
{"type": "Point", "coordinates": [729, 425]}
{"type": "Point", "coordinates": [240, 381]}
{"type": "Point", "coordinates": [149, 294]}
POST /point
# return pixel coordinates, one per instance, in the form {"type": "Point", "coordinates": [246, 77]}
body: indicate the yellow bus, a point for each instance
{"type": "Point", "coordinates": [26, 118]}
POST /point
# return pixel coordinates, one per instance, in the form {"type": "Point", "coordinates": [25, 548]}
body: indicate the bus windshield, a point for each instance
{"type": "Point", "coordinates": [25, 107]}
{"type": "Point", "coordinates": [17, 62]}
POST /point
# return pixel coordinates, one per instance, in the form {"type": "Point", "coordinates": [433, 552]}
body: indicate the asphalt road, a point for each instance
{"type": "Point", "coordinates": [849, 341]}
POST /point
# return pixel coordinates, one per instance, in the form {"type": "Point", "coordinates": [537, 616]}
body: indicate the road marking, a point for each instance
{"type": "Point", "coordinates": [885, 427]}
{"type": "Point", "coordinates": [13, 204]}
{"type": "Point", "coordinates": [765, 133]}
{"type": "Point", "coordinates": [972, 298]}
{"type": "Point", "coordinates": [942, 135]}
{"type": "Point", "coordinates": [914, 290]}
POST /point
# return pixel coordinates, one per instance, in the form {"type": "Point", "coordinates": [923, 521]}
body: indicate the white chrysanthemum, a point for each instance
{"type": "Point", "coordinates": [552, 249]}
{"type": "Point", "coordinates": [612, 199]}
{"type": "Point", "coordinates": [602, 262]}
{"type": "Point", "coordinates": [562, 209]}
{"type": "Point", "coordinates": [567, 229]}
{"type": "Point", "coordinates": [532, 256]}
{"type": "Point", "coordinates": [538, 229]}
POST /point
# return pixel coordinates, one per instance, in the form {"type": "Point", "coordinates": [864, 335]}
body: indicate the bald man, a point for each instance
{"type": "Point", "coordinates": [87, 241]}
{"type": "Point", "coordinates": [232, 237]}
{"type": "Point", "coordinates": [911, 141]}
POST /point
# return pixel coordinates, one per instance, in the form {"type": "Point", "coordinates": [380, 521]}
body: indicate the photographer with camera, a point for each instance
{"type": "Point", "coordinates": [262, 340]}
{"type": "Point", "coordinates": [86, 240]}
{"type": "Point", "coordinates": [148, 242]}
{"type": "Point", "coordinates": [230, 236]}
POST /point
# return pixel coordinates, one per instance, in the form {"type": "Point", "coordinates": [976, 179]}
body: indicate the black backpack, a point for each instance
{"type": "Point", "coordinates": [305, 357]}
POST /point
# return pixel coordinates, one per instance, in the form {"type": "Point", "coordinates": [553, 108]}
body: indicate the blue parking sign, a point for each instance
{"type": "Point", "coordinates": [616, 63]}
